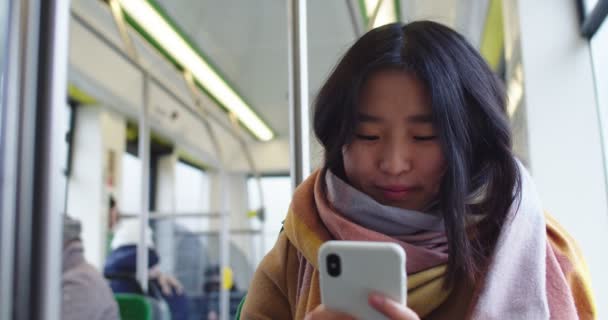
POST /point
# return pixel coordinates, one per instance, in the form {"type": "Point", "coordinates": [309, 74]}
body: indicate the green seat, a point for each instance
{"type": "Point", "coordinates": [133, 306]}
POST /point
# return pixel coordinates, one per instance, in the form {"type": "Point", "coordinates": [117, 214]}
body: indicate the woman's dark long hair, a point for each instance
{"type": "Point", "coordinates": [468, 106]}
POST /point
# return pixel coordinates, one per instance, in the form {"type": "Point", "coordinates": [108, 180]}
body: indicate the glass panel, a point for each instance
{"type": "Point", "coordinates": [189, 247]}
{"type": "Point", "coordinates": [191, 195]}
{"type": "Point", "coordinates": [277, 194]}
{"type": "Point", "coordinates": [131, 183]}
{"type": "Point", "coordinates": [599, 50]}
{"type": "Point", "coordinates": [191, 254]}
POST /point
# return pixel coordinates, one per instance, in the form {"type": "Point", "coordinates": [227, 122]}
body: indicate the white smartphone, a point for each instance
{"type": "Point", "coordinates": [351, 270]}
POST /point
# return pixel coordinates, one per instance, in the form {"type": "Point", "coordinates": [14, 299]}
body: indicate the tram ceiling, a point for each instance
{"type": "Point", "coordinates": [247, 42]}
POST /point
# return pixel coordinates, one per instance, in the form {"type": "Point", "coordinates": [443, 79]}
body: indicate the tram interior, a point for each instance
{"type": "Point", "coordinates": [213, 183]}
{"type": "Point", "coordinates": [107, 91]}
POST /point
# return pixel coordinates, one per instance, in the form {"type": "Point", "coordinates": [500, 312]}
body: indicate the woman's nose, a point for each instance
{"type": "Point", "coordinates": [396, 159]}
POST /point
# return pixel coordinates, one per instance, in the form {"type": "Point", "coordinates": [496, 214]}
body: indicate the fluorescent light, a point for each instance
{"type": "Point", "coordinates": [386, 13]}
{"type": "Point", "coordinates": [156, 26]}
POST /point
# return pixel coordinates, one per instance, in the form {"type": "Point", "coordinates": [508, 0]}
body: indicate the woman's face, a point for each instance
{"type": "Point", "coordinates": [395, 156]}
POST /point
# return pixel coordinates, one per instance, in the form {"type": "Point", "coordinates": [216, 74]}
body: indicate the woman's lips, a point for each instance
{"type": "Point", "coordinates": [396, 192]}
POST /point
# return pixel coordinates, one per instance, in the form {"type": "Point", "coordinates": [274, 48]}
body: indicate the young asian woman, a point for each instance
{"type": "Point", "coordinates": [418, 151]}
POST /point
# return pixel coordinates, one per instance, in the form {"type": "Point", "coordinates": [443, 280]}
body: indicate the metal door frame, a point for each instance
{"type": "Point", "coordinates": [32, 192]}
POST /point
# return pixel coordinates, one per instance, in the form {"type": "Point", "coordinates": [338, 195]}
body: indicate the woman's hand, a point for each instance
{"type": "Point", "coordinates": [320, 313]}
{"type": "Point", "coordinates": [390, 308]}
{"type": "Point", "coordinates": [387, 307]}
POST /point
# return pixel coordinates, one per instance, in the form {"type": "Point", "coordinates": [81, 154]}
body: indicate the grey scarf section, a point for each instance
{"type": "Point", "coordinates": [367, 212]}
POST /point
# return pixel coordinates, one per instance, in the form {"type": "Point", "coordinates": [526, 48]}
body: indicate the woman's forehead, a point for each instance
{"type": "Point", "coordinates": [394, 93]}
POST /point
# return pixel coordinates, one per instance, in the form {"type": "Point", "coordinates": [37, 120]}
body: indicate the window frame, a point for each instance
{"type": "Point", "coordinates": [591, 22]}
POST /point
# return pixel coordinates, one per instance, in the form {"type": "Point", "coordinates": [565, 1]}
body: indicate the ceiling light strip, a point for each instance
{"type": "Point", "coordinates": [158, 28]}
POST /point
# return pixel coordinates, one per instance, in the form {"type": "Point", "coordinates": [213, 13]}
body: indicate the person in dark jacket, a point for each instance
{"type": "Point", "coordinates": [121, 265]}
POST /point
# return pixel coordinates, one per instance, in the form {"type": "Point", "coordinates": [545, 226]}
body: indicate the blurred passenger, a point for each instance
{"type": "Point", "coordinates": [211, 291]}
{"type": "Point", "coordinates": [113, 216]}
{"type": "Point", "coordinates": [190, 258]}
{"type": "Point", "coordinates": [121, 265]}
{"type": "Point", "coordinates": [86, 294]}
{"type": "Point", "coordinates": [213, 280]}
{"type": "Point", "coordinates": [418, 152]}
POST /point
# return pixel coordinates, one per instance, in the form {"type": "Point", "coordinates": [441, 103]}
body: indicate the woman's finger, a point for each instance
{"type": "Point", "coordinates": [391, 309]}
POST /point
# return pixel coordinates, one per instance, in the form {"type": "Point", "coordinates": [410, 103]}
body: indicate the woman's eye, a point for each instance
{"type": "Point", "coordinates": [366, 137]}
{"type": "Point", "coordinates": [424, 138]}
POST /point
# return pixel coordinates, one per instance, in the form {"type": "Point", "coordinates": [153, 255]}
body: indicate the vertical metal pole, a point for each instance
{"type": "Point", "coordinates": [10, 109]}
{"type": "Point", "coordinates": [372, 18]}
{"type": "Point", "coordinates": [355, 18]}
{"type": "Point", "coordinates": [224, 244]}
{"type": "Point", "coordinates": [258, 180]}
{"type": "Point", "coordinates": [143, 150]}
{"type": "Point", "coordinates": [299, 114]}
{"type": "Point", "coordinates": [52, 149]}
{"type": "Point", "coordinates": [144, 156]}
{"type": "Point", "coordinates": [28, 25]}
{"type": "Point", "coordinates": [119, 19]}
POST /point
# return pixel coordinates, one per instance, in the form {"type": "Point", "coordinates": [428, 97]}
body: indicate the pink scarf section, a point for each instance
{"type": "Point", "coordinates": [524, 280]}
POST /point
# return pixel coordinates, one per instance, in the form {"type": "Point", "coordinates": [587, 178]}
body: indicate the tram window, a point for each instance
{"type": "Point", "coordinates": [192, 195]}
{"type": "Point", "coordinates": [599, 50]}
{"type": "Point", "coordinates": [277, 194]}
{"type": "Point", "coordinates": [131, 184]}
{"type": "Point", "coordinates": [599, 47]}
